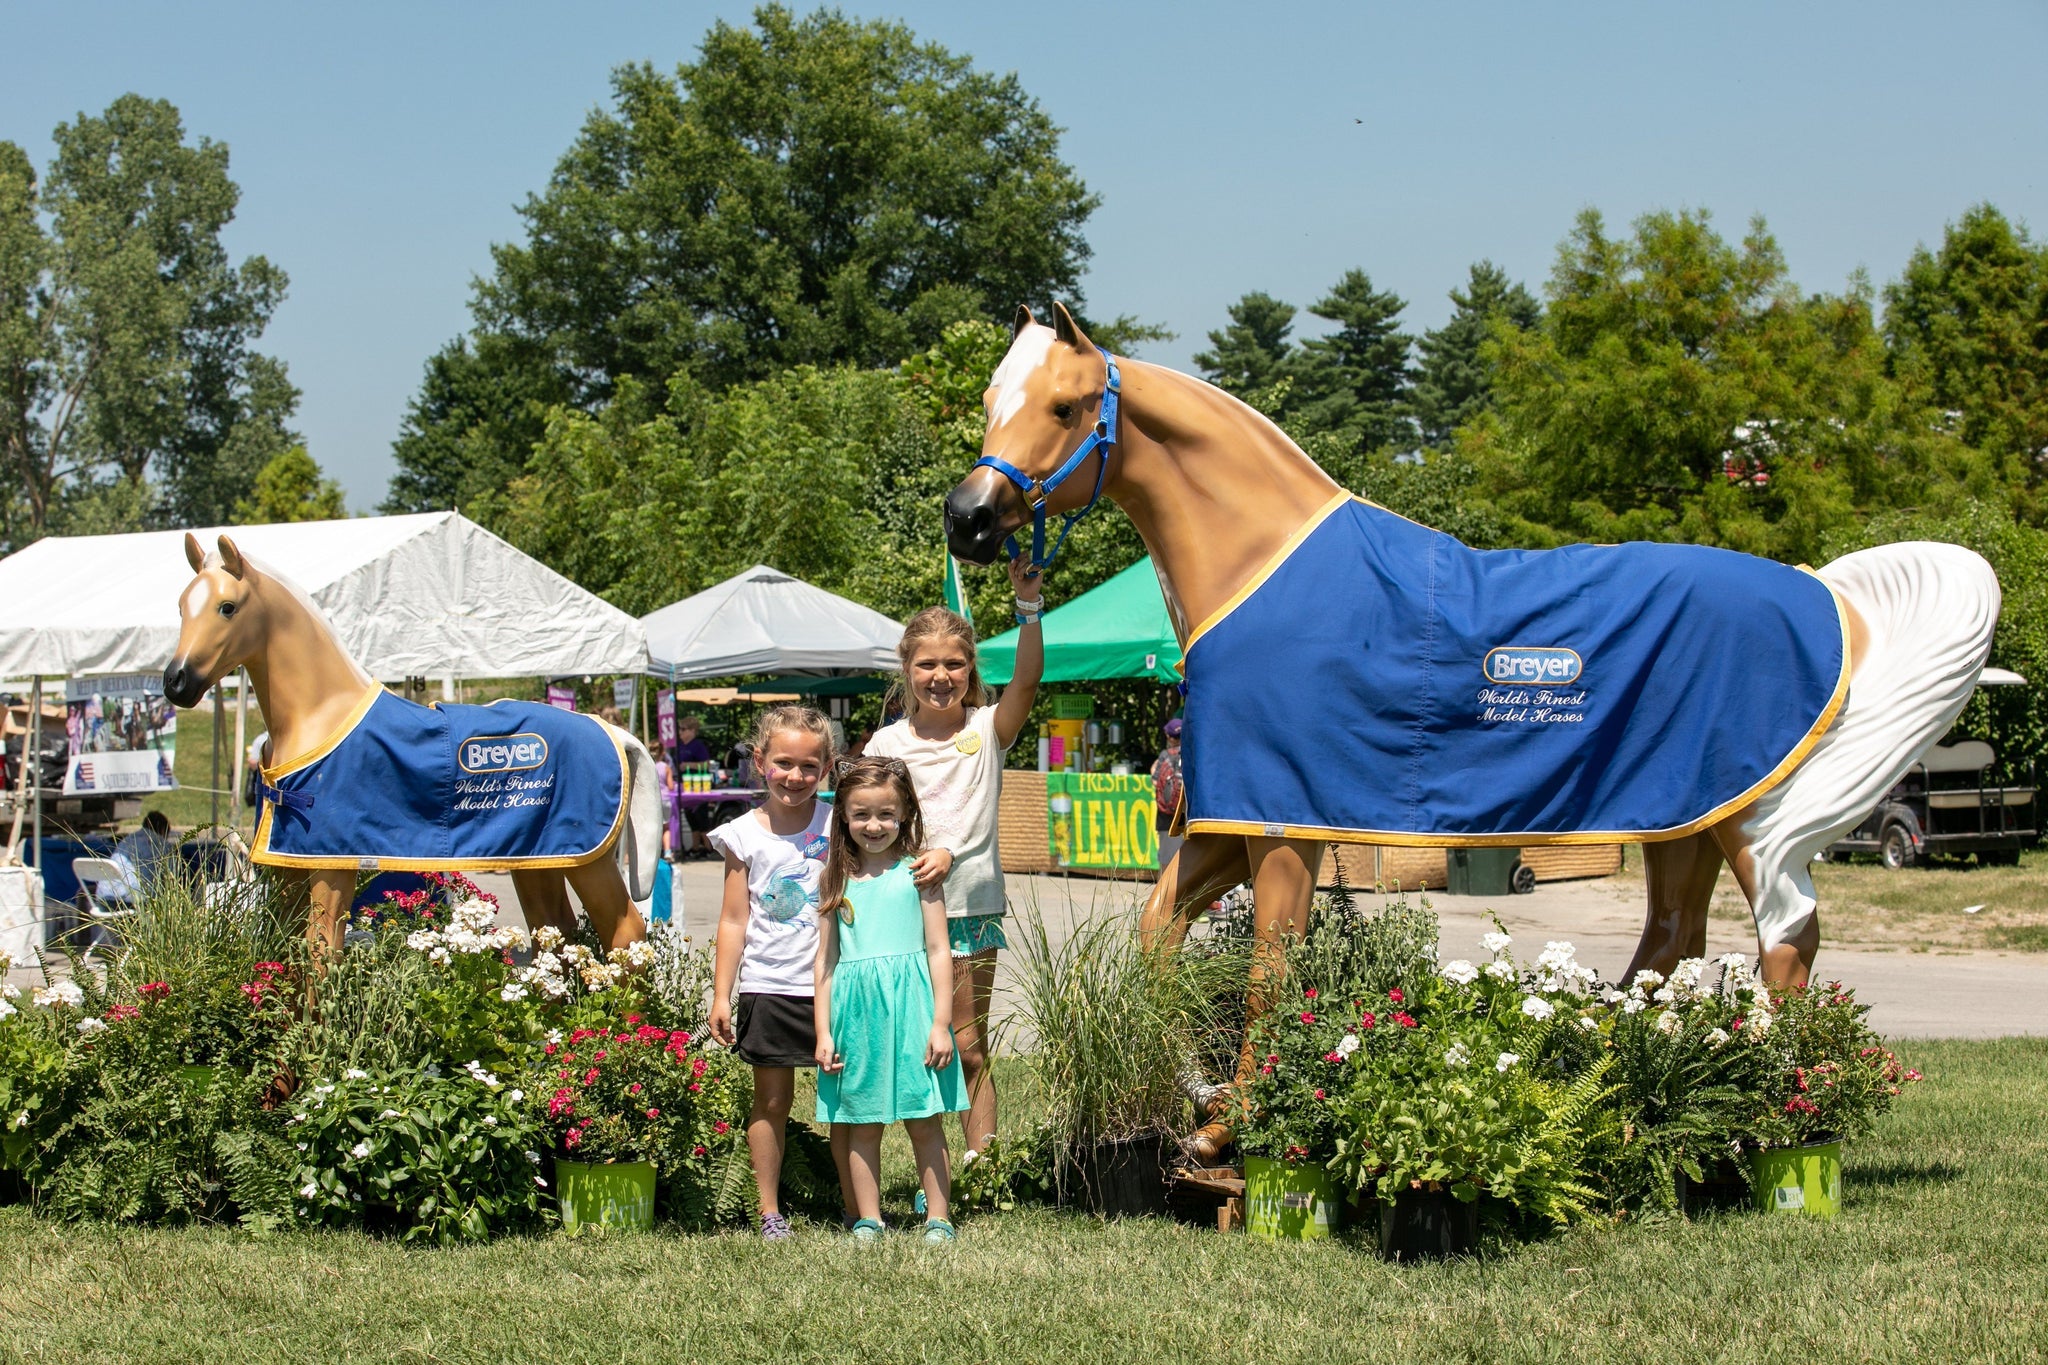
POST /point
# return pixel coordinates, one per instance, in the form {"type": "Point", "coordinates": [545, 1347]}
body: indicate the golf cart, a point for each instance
{"type": "Point", "coordinates": [1946, 804]}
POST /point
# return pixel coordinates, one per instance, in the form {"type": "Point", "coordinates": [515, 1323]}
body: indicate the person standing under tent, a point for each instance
{"type": "Point", "coordinates": [1166, 791]}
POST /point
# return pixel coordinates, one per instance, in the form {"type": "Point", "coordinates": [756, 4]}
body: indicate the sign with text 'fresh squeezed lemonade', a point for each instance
{"type": "Point", "coordinates": [1101, 821]}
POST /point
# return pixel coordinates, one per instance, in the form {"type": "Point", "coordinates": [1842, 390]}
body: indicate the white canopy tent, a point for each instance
{"type": "Point", "coordinates": [431, 595]}
{"type": "Point", "coordinates": [764, 621]}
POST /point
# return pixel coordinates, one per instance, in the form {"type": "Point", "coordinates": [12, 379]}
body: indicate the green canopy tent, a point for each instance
{"type": "Point", "coordinates": [1116, 630]}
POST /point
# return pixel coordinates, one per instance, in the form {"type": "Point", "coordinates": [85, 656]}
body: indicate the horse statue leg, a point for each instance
{"type": "Point", "coordinates": [544, 900]}
{"type": "Point", "coordinates": [612, 912]}
{"type": "Point", "coordinates": [1680, 874]}
{"type": "Point", "coordinates": [329, 893]}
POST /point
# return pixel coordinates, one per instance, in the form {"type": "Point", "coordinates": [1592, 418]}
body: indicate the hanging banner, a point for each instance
{"type": "Point", "coordinates": [1101, 820]}
{"type": "Point", "coordinates": [123, 736]}
{"type": "Point", "coordinates": [562, 696]}
{"type": "Point", "coordinates": [622, 695]}
{"type": "Point", "coordinates": [665, 718]}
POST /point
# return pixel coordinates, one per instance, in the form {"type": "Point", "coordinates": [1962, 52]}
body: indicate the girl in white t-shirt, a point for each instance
{"type": "Point", "coordinates": [768, 932]}
{"type": "Point", "coordinates": [953, 743]}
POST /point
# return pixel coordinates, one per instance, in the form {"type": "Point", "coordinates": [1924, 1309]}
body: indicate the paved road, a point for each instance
{"type": "Point", "coordinates": [1912, 995]}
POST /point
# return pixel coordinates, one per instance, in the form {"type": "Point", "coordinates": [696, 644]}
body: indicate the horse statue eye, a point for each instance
{"type": "Point", "coordinates": [226, 609]}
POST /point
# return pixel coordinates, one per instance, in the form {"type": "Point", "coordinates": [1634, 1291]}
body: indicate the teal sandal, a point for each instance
{"type": "Point", "coordinates": [867, 1230]}
{"type": "Point", "coordinates": [939, 1230]}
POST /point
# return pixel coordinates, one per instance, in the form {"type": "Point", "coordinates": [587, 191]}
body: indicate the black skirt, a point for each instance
{"type": "Point", "coordinates": [776, 1030]}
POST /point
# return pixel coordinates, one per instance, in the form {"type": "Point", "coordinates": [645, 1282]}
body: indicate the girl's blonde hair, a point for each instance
{"type": "Point", "coordinates": [842, 859]}
{"type": "Point", "coordinates": [933, 623]}
{"type": "Point", "coordinates": [807, 720]}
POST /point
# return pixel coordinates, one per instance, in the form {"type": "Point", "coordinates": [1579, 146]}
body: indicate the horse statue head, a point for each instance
{"type": "Point", "coordinates": [1051, 409]}
{"type": "Point", "coordinates": [222, 622]}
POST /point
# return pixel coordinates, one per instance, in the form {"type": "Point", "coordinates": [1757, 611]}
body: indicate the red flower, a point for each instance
{"type": "Point", "coordinates": [254, 990]}
{"type": "Point", "coordinates": [562, 1103]}
{"type": "Point", "coordinates": [632, 1018]}
{"type": "Point", "coordinates": [580, 1034]}
{"type": "Point", "coordinates": [633, 1089]}
{"type": "Point", "coordinates": [119, 1013]}
{"type": "Point", "coordinates": [156, 990]}
{"type": "Point", "coordinates": [590, 1076]}
{"type": "Point", "coordinates": [1310, 992]}
{"type": "Point", "coordinates": [1736, 1027]}
{"type": "Point", "coordinates": [654, 1113]}
{"type": "Point", "coordinates": [1333, 1056]}
{"type": "Point", "coordinates": [694, 1087]}
{"type": "Point", "coordinates": [572, 1138]}
{"type": "Point", "coordinates": [548, 1051]}
{"type": "Point", "coordinates": [697, 1067]}
{"type": "Point", "coordinates": [1368, 1019]}
{"type": "Point", "coordinates": [1266, 1070]}
{"type": "Point", "coordinates": [1396, 996]}
{"type": "Point", "coordinates": [598, 1055]}
{"type": "Point", "coordinates": [1404, 1020]}
{"type": "Point", "coordinates": [1307, 1018]}
{"type": "Point", "coordinates": [720, 1126]}
{"type": "Point", "coordinates": [696, 1151]}
{"type": "Point", "coordinates": [267, 970]}
{"type": "Point", "coordinates": [1319, 1094]}
{"type": "Point", "coordinates": [1913, 1076]}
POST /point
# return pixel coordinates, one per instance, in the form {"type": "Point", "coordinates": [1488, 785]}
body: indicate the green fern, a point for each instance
{"type": "Point", "coordinates": [256, 1172]}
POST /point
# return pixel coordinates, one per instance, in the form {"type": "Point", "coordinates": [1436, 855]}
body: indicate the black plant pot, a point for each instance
{"type": "Point", "coordinates": [1122, 1179]}
{"type": "Point", "coordinates": [1422, 1225]}
{"type": "Point", "coordinates": [1722, 1190]}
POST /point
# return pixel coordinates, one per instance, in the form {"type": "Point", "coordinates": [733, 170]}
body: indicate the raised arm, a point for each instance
{"type": "Point", "coordinates": [1015, 707]}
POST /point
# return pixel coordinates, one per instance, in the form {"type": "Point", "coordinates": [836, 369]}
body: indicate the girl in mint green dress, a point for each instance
{"type": "Point", "coordinates": [884, 992]}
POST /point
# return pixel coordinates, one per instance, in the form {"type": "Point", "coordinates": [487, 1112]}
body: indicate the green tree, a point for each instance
{"type": "Point", "coordinates": [1968, 330]}
{"type": "Point", "coordinates": [1453, 383]}
{"type": "Point", "coordinates": [810, 191]}
{"type": "Point", "coordinates": [290, 487]}
{"type": "Point", "coordinates": [1252, 353]}
{"type": "Point", "coordinates": [1355, 379]}
{"type": "Point", "coordinates": [126, 331]}
{"type": "Point", "coordinates": [1682, 388]}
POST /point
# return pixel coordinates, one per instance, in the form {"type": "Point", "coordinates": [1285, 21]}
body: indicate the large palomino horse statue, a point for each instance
{"type": "Point", "coordinates": [1353, 676]}
{"type": "Point", "coordinates": [361, 779]}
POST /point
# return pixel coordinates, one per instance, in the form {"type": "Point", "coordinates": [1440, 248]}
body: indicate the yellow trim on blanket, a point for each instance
{"type": "Point", "coordinates": [1266, 571]}
{"type": "Point", "coordinates": [259, 849]}
{"type": "Point", "coordinates": [1792, 760]}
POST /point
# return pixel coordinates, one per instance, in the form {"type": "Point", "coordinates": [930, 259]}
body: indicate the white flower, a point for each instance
{"type": "Point", "coordinates": [354, 1073]}
{"type": "Point", "coordinates": [576, 953]}
{"type": "Point", "coordinates": [308, 1190]}
{"type": "Point", "coordinates": [477, 1072]}
{"type": "Point", "coordinates": [1588, 1023]}
{"type": "Point", "coordinates": [640, 954]}
{"type": "Point", "coordinates": [1665, 995]}
{"type": "Point", "coordinates": [1460, 972]}
{"type": "Point", "coordinates": [1646, 979]}
{"type": "Point", "coordinates": [1506, 1060]}
{"type": "Point", "coordinates": [538, 1181]}
{"type": "Point", "coordinates": [1717, 1038]}
{"type": "Point", "coordinates": [1609, 996]}
{"type": "Point", "coordinates": [360, 1150]}
{"type": "Point", "coordinates": [419, 940]}
{"type": "Point", "coordinates": [555, 1036]}
{"type": "Point", "coordinates": [60, 993]}
{"type": "Point", "coordinates": [490, 1120]}
{"type": "Point", "coordinates": [512, 992]}
{"type": "Point", "coordinates": [516, 1096]}
{"type": "Point", "coordinates": [534, 1157]}
{"type": "Point", "coordinates": [390, 1114]}
{"type": "Point", "coordinates": [1500, 969]}
{"type": "Point", "coordinates": [302, 1146]}
{"type": "Point", "coordinates": [547, 937]}
{"type": "Point", "coordinates": [1495, 941]}
{"type": "Point", "coordinates": [1458, 1056]}
{"type": "Point", "coordinates": [1347, 1045]}
{"type": "Point", "coordinates": [1634, 1005]}
{"type": "Point", "coordinates": [1759, 1023]}
{"type": "Point", "coordinates": [439, 957]}
{"type": "Point", "coordinates": [1668, 1023]}
{"type": "Point", "coordinates": [7, 1011]}
{"type": "Point", "coordinates": [89, 1026]}
{"type": "Point", "coordinates": [1536, 1007]}
{"type": "Point", "coordinates": [969, 1157]}
{"type": "Point", "coordinates": [8, 990]}
{"type": "Point", "coordinates": [20, 1120]}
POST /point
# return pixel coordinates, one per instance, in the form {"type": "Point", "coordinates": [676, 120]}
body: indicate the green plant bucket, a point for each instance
{"type": "Point", "coordinates": [1289, 1203]}
{"type": "Point", "coordinates": [1799, 1179]}
{"type": "Point", "coordinates": [198, 1079]}
{"type": "Point", "coordinates": [618, 1194]}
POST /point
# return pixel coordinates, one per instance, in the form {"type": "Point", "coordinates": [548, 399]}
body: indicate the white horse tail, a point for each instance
{"type": "Point", "coordinates": [1930, 609]}
{"type": "Point", "coordinates": [640, 838]}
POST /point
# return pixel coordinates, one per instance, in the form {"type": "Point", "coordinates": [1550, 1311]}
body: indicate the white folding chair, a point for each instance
{"type": "Point", "coordinates": [93, 873]}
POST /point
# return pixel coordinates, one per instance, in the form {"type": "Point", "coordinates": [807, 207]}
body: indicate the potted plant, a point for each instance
{"type": "Point", "coordinates": [619, 1104]}
{"type": "Point", "coordinates": [1286, 1114]}
{"type": "Point", "coordinates": [1111, 1025]}
{"type": "Point", "coordinates": [1829, 1079]}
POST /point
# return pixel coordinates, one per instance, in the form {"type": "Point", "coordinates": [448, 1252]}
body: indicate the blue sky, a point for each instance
{"type": "Point", "coordinates": [381, 148]}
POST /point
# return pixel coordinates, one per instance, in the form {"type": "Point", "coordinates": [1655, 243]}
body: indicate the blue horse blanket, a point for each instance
{"type": "Point", "coordinates": [1381, 682]}
{"type": "Point", "coordinates": [416, 788]}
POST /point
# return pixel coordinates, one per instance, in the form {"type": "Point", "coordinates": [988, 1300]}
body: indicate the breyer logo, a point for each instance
{"type": "Point", "coordinates": [1531, 664]}
{"type": "Point", "coordinates": [503, 753]}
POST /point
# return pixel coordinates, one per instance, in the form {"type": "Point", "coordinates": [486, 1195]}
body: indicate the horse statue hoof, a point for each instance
{"type": "Point", "coordinates": [1206, 1145]}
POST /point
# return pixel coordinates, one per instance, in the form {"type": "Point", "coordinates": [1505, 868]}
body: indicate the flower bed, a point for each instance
{"type": "Point", "coordinates": [428, 1095]}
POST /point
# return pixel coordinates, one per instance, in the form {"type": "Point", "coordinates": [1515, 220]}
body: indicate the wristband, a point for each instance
{"type": "Point", "coordinates": [1027, 613]}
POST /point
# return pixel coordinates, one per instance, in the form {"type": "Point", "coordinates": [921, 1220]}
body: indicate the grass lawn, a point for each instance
{"type": "Point", "coordinates": [1916, 909]}
{"type": "Point", "coordinates": [1941, 1254]}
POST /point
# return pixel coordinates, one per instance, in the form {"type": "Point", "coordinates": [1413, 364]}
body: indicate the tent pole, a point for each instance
{"type": "Point", "coordinates": [219, 738]}
{"type": "Point", "coordinates": [241, 744]}
{"type": "Point", "coordinates": [33, 756]}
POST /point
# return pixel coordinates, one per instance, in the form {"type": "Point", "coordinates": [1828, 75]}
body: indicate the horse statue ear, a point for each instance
{"type": "Point", "coordinates": [1066, 329]}
{"type": "Point", "coordinates": [1021, 321]}
{"type": "Point", "coordinates": [194, 556]}
{"type": "Point", "coordinates": [231, 559]}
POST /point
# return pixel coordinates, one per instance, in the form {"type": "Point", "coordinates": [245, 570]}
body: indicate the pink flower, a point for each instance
{"type": "Point", "coordinates": [598, 1055]}
{"type": "Point", "coordinates": [1310, 992]}
{"type": "Point", "coordinates": [632, 1018]}
{"type": "Point", "coordinates": [720, 1126]}
{"type": "Point", "coordinates": [590, 1076]}
{"type": "Point", "coordinates": [654, 1113]}
{"type": "Point", "coordinates": [1319, 1094]}
{"type": "Point", "coordinates": [1913, 1076]}
{"type": "Point", "coordinates": [119, 1013]}
{"type": "Point", "coordinates": [1368, 1019]}
{"type": "Point", "coordinates": [1307, 1018]}
{"type": "Point", "coordinates": [156, 990]}
{"type": "Point", "coordinates": [561, 1104]}
{"type": "Point", "coordinates": [549, 1050]}
{"type": "Point", "coordinates": [1404, 1020]}
{"type": "Point", "coordinates": [1333, 1056]}
{"type": "Point", "coordinates": [696, 1151]}
{"type": "Point", "coordinates": [633, 1089]}
{"type": "Point", "coordinates": [572, 1138]}
{"type": "Point", "coordinates": [1396, 996]}
{"type": "Point", "coordinates": [694, 1087]}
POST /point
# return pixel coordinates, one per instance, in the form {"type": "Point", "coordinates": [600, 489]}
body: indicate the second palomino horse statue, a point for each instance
{"type": "Point", "coordinates": [360, 779]}
{"type": "Point", "coordinates": [1353, 676]}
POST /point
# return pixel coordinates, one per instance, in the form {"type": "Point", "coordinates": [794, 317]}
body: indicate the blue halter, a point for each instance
{"type": "Point", "coordinates": [1036, 491]}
